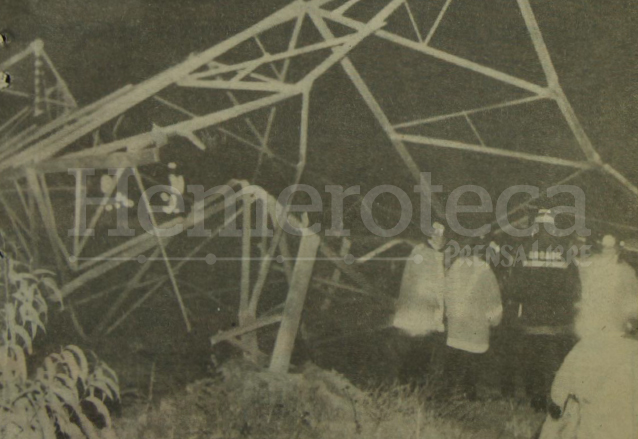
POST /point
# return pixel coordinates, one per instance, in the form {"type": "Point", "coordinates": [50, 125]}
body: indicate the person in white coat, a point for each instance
{"type": "Point", "coordinates": [419, 308]}
{"type": "Point", "coordinates": [472, 307]}
{"type": "Point", "coordinates": [418, 316]}
{"type": "Point", "coordinates": [595, 392]}
{"type": "Point", "coordinates": [606, 284]}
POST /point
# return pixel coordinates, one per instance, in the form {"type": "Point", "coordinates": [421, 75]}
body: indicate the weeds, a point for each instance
{"type": "Point", "coordinates": [245, 401]}
{"type": "Point", "coordinates": [65, 398]}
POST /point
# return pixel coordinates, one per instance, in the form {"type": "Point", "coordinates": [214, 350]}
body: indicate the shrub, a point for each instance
{"type": "Point", "coordinates": [66, 393]}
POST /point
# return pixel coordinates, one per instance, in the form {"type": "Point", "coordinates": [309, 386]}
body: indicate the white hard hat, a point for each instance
{"type": "Point", "coordinates": [545, 216]}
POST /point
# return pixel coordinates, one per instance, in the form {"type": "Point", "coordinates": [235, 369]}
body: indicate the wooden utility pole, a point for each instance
{"type": "Point", "coordinates": [299, 283]}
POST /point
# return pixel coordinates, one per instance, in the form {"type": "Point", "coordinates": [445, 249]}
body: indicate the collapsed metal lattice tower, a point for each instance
{"type": "Point", "coordinates": [254, 76]}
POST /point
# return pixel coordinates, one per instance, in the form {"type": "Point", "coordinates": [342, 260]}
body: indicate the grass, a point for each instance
{"type": "Point", "coordinates": [243, 401]}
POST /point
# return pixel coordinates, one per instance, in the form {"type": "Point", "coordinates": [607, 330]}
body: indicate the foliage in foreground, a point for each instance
{"type": "Point", "coordinates": [65, 398]}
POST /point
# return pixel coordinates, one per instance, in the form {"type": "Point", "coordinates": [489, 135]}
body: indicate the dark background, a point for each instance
{"type": "Point", "coordinates": [100, 46]}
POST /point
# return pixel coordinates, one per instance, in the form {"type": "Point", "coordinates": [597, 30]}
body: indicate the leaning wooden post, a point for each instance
{"type": "Point", "coordinates": [299, 283]}
{"type": "Point", "coordinates": [245, 316]}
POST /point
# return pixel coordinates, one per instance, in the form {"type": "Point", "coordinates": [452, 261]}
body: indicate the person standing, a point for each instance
{"type": "Point", "coordinates": [541, 292]}
{"type": "Point", "coordinates": [601, 274]}
{"type": "Point", "coordinates": [595, 391]}
{"type": "Point", "coordinates": [419, 308]}
{"type": "Point", "coordinates": [472, 307]}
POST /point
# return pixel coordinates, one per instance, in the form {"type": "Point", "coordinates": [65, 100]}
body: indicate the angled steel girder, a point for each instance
{"type": "Point", "coordinates": [49, 147]}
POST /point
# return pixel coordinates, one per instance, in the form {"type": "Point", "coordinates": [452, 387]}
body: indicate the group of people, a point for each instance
{"type": "Point", "coordinates": [566, 330]}
{"type": "Point", "coordinates": [462, 301]}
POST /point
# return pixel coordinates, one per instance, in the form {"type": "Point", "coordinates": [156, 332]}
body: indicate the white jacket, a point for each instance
{"type": "Point", "coordinates": [472, 304]}
{"type": "Point", "coordinates": [599, 377]}
{"type": "Point", "coordinates": [419, 309]}
{"type": "Point", "coordinates": [609, 289]}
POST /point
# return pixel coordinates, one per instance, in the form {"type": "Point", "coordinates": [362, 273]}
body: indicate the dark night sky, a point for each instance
{"type": "Point", "coordinates": [98, 46]}
{"type": "Point", "coordinates": [101, 45]}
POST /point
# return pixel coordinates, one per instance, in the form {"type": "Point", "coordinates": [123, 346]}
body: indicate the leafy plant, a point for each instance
{"type": "Point", "coordinates": [66, 396]}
